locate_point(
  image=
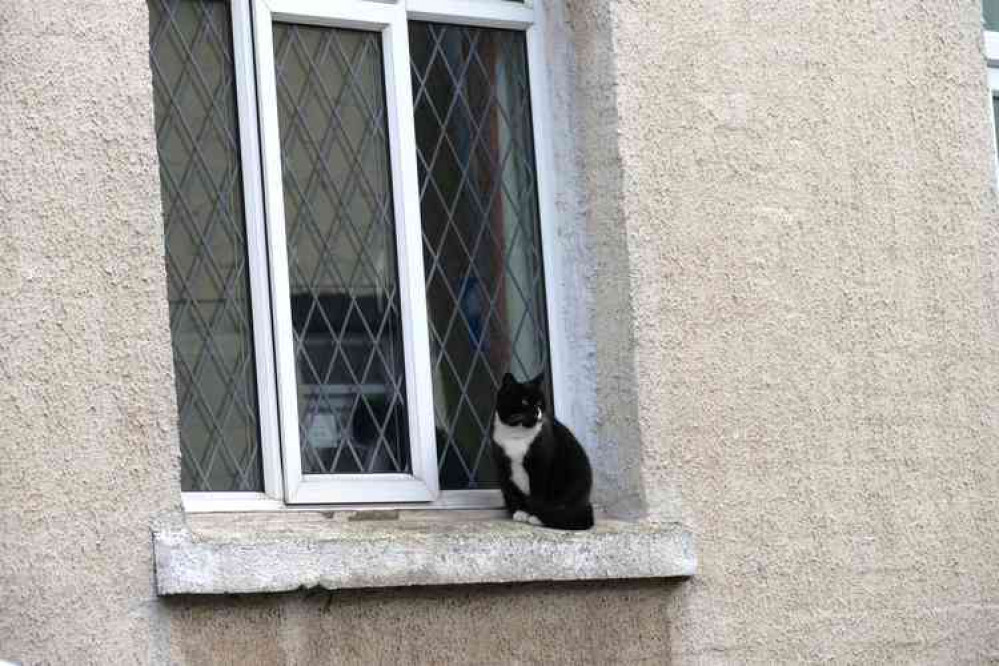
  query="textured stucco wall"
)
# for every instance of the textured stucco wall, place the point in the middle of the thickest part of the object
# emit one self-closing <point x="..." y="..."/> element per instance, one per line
<point x="807" y="196"/>
<point x="88" y="448"/>
<point x="789" y="264"/>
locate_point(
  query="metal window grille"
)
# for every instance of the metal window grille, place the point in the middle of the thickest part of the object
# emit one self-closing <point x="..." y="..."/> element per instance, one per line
<point x="206" y="259"/>
<point x="340" y="236"/>
<point x="482" y="250"/>
<point x="340" y="330"/>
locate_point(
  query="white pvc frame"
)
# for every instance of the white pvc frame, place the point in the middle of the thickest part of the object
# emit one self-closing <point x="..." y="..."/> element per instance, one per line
<point x="286" y="487"/>
<point x="256" y="242"/>
<point x="390" y="22"/>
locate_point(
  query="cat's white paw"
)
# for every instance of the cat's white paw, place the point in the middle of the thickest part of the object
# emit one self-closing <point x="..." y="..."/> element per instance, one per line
<point x="521" y="516"/>
<point x="534" y="520"/>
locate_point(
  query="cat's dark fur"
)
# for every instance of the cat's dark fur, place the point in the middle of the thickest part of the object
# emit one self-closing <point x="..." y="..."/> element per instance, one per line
<point x="535" y="451"/>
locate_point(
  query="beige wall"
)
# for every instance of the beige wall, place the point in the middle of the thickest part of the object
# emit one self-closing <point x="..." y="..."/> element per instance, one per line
<point x="88" y="448"/>
<point x="791" y="254"/>
<point x="811" y="227"/>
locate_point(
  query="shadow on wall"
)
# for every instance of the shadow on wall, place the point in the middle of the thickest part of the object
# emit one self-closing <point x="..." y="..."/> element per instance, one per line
<point x="578" y="623"/>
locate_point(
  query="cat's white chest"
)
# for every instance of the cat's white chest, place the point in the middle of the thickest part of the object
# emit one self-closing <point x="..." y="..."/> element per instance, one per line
<point x="515" y="442"/>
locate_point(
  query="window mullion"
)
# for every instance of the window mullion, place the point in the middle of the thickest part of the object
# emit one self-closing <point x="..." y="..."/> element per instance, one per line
<point x="390" y="23"/>
<point x="409" y="243"/>
<point x="283" y="336"/>
<point x="256" y="238"/>
<point x="537" y="72"/>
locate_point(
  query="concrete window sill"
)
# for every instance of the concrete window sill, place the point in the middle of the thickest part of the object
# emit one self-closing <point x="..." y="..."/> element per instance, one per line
<point x="253" y="553"/>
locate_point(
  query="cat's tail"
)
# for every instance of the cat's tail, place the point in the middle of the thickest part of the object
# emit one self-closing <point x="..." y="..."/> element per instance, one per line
<point x="567" y="518"/>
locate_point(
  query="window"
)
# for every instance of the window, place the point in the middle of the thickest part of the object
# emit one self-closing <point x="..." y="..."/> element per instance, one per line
<point x="354" y="212"/>
<point x="990" y="10"/>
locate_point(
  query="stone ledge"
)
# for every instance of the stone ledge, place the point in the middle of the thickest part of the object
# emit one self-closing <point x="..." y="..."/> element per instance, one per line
<point x="254" y="553"/>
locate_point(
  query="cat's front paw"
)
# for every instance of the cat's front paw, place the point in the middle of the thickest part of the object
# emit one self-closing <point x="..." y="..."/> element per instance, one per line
<point x="534" y="520"/>
<point x="521" y="516"/>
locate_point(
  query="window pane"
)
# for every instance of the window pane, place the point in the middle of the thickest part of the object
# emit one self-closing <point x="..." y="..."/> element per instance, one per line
<point x="208" y="287"/>
<point x="482" y="246"/>
<point x="341" y="250"/>
<point x="990" y="8"/>
<point x="995" y="118"/>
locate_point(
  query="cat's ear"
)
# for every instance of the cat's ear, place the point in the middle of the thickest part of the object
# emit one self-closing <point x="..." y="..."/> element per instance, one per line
<point x="508" y="380"/>
<point x="538" y="381"/>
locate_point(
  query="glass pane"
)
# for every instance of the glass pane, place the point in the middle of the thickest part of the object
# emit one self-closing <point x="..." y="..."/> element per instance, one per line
<point x="990" y="8"/>
<point x="995" y="118"/>
<point x="341" y="250"/>
<point x="208" y="283"/>
<point x="481" y="239"/>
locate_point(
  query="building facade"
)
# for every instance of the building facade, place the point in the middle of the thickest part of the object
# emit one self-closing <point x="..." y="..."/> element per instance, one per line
<point x="777" y="317"/>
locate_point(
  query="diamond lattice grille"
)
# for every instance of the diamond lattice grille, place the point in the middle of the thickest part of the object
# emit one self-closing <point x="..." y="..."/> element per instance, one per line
<point x="481" y="238"/>
<point x="208" y="289"/>
<point x="341" y="250"/>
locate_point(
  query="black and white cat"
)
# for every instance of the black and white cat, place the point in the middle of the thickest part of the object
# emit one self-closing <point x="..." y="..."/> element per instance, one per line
<point x="544" y="473"/>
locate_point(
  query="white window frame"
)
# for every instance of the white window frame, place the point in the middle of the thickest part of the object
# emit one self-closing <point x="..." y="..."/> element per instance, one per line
<point x="285" y="486"/>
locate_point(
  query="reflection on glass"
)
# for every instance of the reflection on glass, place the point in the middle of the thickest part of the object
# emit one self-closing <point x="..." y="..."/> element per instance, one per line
<point x="481" y="238"/>
<point x="341" y="251"/>
<point x="205" y="232"/>
<point x="990" y="10"/>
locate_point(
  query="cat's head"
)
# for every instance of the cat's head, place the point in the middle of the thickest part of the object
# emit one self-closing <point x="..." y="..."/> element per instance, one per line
<point x="521" y="404"/>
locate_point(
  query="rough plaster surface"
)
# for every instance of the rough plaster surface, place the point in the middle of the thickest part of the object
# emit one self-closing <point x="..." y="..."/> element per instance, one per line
<point x="790" y="227"/>
<point x="281" y="553"/>
<point x="806" y="197"/>
<point x="89" y="451"/>
<point x="582" y="58"/>
<point x="577" y="623"/>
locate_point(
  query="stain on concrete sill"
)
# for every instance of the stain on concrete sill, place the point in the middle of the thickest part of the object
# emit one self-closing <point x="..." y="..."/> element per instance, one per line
<point x="262" y="553"/>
